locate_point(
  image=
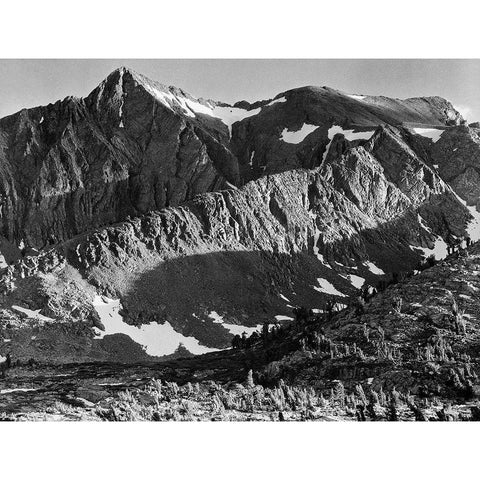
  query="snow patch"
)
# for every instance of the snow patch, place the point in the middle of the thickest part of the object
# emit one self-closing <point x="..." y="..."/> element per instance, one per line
<point x="356" y="281"/>
<point x="226" y="114"/>
<point x="215" y="317"/>
<point x="233" y="329"/>
<point x="316" y="250"/>
<point x="439" y="249"/>
<point x="473" y="228"/>
<point x="239" y="329"/>
<point x="350" y="135"/>
<point x="35" y="314"/>
<point x="250" y="163"/>
<point x="277" y="100"/>
<point x="231" y="115"/>
<point x="433" y="133"/>
<point x="298" y="136"/>
<point x="13" y="390"/>
<point x="327" y="287"/>
<point x="373" y="268"/>
<point x="156" y="339"/>
<point x="357" y="97"/>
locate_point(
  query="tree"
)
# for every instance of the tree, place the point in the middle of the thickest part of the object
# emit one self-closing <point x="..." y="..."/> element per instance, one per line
<point x="265" y="331"/>
<point x="249" y="382"/>
<point x="237" y="342"/>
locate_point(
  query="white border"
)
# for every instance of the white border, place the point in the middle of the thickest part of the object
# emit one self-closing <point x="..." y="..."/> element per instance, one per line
<point x="239" y="451"/>
<point x="241" y="29"/>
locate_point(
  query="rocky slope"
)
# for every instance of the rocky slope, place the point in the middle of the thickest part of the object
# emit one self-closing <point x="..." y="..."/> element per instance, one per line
<point x="326" y="192"/>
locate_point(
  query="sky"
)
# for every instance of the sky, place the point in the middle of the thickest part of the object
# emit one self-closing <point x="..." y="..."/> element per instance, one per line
<point x="30" y="83"/>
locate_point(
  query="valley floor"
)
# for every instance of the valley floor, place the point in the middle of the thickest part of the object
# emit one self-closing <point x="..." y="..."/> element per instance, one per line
<point x="109" y="392"/>
<point x="116" y="393"/>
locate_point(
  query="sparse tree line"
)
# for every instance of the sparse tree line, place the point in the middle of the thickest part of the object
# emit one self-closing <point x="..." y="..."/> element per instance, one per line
<point x="305" y="316"/>
<point x="166" y="401"/>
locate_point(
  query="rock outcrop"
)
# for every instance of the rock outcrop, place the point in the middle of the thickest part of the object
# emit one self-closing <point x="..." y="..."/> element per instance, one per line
<point x="457" y="157"/>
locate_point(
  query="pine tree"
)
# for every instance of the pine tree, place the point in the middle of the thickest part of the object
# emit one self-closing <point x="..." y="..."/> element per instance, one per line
<point x="249" y="382"/>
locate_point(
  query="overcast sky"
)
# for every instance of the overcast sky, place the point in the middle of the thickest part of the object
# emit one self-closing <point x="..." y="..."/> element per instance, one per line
<point x="29" y="83"/>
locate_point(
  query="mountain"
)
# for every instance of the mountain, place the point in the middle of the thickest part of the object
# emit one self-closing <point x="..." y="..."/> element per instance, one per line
<point x="133" y="145"/>
<point x="142" y="223"/>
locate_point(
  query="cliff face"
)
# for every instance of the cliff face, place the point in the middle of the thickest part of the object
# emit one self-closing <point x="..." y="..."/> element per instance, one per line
<point x="134" y="145"/>
<point x="457" y="156"/>
<point x="82" y="163"/>
<point x="129" y="184"/>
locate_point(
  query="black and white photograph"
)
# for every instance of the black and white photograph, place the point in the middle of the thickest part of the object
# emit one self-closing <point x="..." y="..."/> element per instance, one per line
<point x="240" y="240"/>
<point x="308" y="256"/>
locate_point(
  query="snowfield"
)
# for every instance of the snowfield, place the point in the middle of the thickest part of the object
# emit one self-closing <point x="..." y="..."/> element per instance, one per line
<point x="327" y="287"/>
<point x="350" y="135"/>
<point x="298" y="136"/>
<point x="373" y="268"/>
<point x="355" y="280"/>
<point x="433" y="133"/>
<point x="35" y="314"/>
<point x="156" y="339"/>
<point x="316" y="250"/>
<point x="357" y="97"/>
<point x="277" y="100"/>
<point x="228" y="115"/>
<point x="13" y="390"/>
<point x="232" y="328"/>
<point x="439" y="249"/>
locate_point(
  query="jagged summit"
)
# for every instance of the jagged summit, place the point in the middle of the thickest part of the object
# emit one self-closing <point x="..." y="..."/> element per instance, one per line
<point x="433" y="110"/>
